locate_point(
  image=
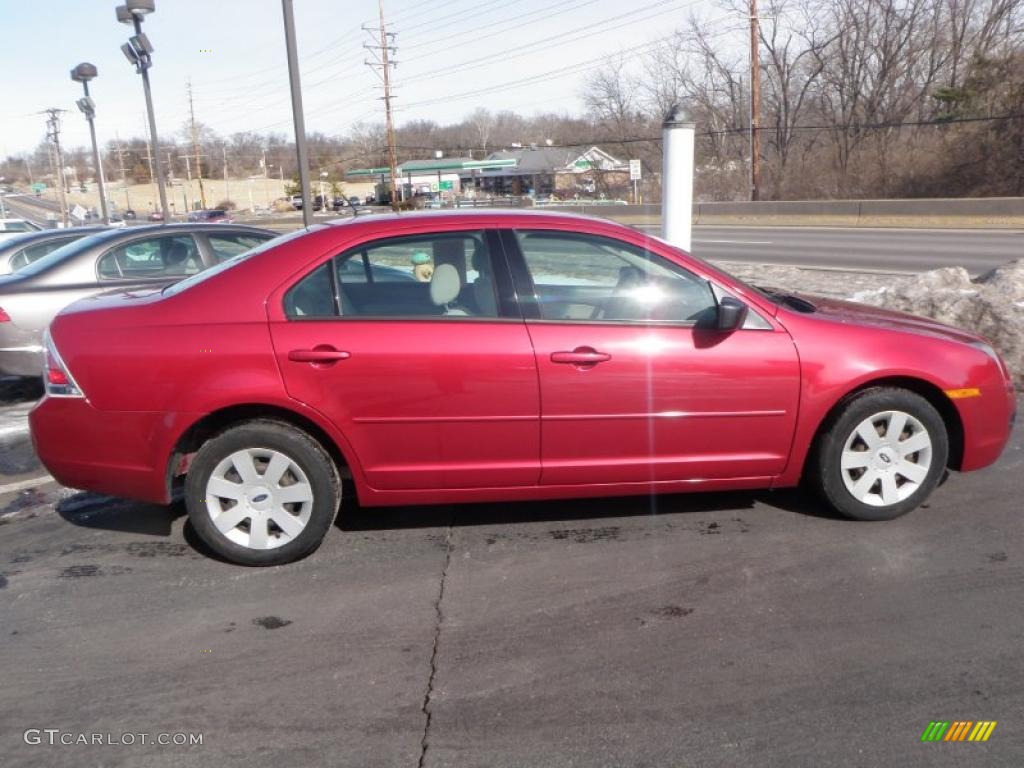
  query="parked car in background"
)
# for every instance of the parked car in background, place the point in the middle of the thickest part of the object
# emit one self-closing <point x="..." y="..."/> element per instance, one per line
<point x="156" y="216"/>
<point x="12" y="227"/>
<point x="21" y="250"/>
<point x="545" y="356"/>
<point x="128" y="259"/>
<point x="297" y="202"/>
<point x="214" y="216"/>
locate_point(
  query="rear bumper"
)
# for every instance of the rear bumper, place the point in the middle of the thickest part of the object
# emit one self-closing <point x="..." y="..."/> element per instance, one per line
<point x="21" y="352"/>
<point x="118" y="453"/>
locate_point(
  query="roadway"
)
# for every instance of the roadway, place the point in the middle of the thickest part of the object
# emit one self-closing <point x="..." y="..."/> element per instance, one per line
<point x="887" y="250"/>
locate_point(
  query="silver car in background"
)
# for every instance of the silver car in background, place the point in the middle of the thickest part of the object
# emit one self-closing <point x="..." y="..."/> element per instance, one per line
<point x="20" y="251"/>
<point x="119" y="259"/>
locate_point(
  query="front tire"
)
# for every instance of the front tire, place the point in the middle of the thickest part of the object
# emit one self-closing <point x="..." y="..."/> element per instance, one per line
<point x="882" y="455"/>
<point x="262" y="493"/>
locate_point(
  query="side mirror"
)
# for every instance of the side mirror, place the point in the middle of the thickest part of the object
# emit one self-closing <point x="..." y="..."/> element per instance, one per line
<point x="731" y="313"/>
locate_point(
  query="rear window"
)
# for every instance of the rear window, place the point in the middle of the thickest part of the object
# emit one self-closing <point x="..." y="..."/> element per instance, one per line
<point x="64" y="253"/>
<point x="34" y="253"/>
<point x="18" y="226"/>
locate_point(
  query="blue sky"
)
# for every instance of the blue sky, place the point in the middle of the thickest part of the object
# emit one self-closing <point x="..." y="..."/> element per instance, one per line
<point x="233" y="51"/>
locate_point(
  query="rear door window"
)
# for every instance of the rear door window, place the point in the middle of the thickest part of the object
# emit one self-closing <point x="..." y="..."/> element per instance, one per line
<point x="166" y="256"/>
<point x="437" y="275"/>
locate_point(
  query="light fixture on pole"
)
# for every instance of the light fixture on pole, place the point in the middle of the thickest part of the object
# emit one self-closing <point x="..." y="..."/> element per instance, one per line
<point x="83" y="73"/>
<point x="138" y="50"/>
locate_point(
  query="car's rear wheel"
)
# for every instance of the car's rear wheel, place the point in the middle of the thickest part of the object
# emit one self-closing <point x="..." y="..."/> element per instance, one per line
<point x="262" y="493"/>
<point x="882" y="455"/>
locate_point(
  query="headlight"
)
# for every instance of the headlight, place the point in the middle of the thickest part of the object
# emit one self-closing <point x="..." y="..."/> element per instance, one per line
<point x="993" y="355"/>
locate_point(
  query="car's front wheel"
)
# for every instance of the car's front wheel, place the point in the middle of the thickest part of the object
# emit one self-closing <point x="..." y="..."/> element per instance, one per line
<point x="882" y="455"/>
<point x="262" y="493"/>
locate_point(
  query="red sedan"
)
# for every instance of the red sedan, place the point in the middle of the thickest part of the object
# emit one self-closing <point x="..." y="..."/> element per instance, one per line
<point x="458" y="357"/>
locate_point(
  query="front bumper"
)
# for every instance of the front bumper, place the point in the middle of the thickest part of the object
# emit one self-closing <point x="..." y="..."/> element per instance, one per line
<point x="987" y="421"/>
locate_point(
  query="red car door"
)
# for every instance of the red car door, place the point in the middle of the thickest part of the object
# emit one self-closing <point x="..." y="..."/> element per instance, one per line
<point x="635" y="384"/>
<point x="414" y="348"/>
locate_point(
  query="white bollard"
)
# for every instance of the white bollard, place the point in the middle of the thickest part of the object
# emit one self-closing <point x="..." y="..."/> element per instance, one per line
<point x="677" y="178"/>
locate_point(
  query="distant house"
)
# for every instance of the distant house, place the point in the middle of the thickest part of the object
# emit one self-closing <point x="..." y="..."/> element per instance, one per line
<point x="541" y="171"/>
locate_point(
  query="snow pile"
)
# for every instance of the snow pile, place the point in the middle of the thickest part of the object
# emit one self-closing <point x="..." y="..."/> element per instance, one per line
<point x="992" y="305"/>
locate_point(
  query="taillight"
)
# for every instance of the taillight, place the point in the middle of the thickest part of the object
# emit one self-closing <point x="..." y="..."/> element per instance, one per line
<point x="56" y="377"/>
<point x="4" y="317"/>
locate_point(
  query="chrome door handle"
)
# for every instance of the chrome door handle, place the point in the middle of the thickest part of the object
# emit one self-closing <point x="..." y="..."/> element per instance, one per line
<point x="318" y="355"/>
<point x="581" y="356"/>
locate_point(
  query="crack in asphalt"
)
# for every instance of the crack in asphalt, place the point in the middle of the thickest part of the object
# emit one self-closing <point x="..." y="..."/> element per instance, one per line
<point x="438" y="619"/>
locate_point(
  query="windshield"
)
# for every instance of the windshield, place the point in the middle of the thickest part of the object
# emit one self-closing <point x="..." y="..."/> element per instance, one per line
<point x="62" y="254"/>
<point x="224" y="266"/>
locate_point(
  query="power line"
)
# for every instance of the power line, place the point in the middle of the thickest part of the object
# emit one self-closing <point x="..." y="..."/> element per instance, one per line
<point x="537" y="45"/>
<point x="519" y="19"/>
<point x="433" y="24"/>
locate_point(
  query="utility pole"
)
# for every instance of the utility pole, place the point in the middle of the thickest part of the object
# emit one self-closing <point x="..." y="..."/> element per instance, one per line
<point x="755" y="104"/>
<point x="224" y="151"/>
<point x="298" y="117"/>
<point x="170" y="177"/>
<point x="53" y="134"/>
<point x="152" y="176"/>
<point x="124" y="176"/>
<point x="188" y="174"/>
<point x="195" y="148"/>
<point x="382" y="63"/>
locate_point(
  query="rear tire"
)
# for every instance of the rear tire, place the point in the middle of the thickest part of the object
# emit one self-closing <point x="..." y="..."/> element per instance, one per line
<point x="262" y="493"/>
<point x="881" y="455"/>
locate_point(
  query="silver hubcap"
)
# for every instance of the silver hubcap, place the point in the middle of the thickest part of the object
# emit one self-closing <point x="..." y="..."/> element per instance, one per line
<point x="886" y="458"/>
<point x="259" y="498"/>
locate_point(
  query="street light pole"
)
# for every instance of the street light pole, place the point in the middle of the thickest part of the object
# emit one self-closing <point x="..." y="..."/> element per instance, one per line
<point x="300" y="123"/>
<point x="83" y="73"/>
<point x="677" y="177"/>
<point x="138" y="50"/>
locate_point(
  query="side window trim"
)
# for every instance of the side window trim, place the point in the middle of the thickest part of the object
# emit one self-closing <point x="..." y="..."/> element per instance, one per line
<point x="523" y="288"/>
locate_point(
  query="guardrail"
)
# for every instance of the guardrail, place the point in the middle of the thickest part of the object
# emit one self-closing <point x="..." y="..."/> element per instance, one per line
<point x="932" y="213"/>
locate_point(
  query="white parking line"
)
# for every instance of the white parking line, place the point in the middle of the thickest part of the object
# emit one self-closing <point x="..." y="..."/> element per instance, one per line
<point x="14" y="430"/>
<point x="22" y="485"/>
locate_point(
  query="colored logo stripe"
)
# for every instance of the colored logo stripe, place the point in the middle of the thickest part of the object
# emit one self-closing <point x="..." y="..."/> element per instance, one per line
<point x="958" y="730"/>
<point x="982" y="730"/>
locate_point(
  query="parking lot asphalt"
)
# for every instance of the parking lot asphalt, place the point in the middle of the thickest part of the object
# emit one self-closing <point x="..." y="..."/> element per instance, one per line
<point x="705" y="630"/>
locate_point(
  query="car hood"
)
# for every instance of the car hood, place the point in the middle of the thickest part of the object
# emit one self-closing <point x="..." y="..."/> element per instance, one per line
<point x="852" y="313"/>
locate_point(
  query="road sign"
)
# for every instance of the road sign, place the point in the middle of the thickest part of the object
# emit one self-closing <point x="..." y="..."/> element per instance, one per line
<point x="446" y="186"/>
<point x="634" y="170"/>
<point x="79" y="213"/>
<point x="38" y="187"/>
